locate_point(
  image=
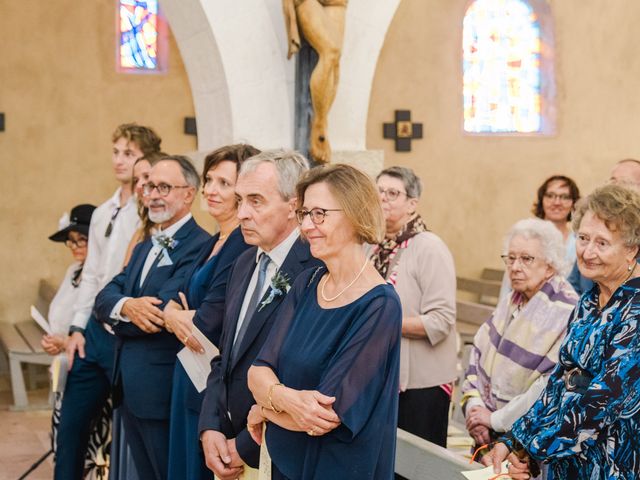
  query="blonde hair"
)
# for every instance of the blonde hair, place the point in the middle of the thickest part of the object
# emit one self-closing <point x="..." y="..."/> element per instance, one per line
<point x="356" y="194"/>
<point x="618" y="207"/>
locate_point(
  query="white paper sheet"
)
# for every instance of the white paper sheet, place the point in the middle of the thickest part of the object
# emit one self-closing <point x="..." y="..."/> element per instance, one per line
<point x="198" y="365"/>
<point x="485" y="473"/>
<point x="40" y="320"/>
<point x="59" y="369"/>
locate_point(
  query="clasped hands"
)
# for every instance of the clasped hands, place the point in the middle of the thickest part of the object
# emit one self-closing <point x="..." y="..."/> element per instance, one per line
<point x="307" y="411"/>
<point x="478" y="422"/>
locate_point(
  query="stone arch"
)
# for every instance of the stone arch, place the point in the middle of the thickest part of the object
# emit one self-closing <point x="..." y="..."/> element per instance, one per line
<point x="242" y="84"/>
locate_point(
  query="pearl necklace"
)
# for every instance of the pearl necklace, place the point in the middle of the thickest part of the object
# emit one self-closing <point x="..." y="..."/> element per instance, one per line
<point x="345" y="288"/>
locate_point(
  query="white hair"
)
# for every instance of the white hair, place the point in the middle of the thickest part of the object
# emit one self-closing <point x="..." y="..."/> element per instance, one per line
<point x="550" y="238"/>
<point x="290" y="166"/>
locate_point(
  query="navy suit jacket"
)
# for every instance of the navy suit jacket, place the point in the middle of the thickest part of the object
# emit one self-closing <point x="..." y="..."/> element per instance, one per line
<point x="210" y="313"/>
<point x="227" y="398"/>
<point x="144" y="362"/>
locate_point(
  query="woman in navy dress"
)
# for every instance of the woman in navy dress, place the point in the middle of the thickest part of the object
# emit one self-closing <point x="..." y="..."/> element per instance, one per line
<point x="326" y="380"/>
<point x="202" y="306"/>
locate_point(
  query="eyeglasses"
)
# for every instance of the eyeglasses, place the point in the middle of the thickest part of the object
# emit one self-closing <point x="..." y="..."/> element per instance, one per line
<point x="564" y="197"/>
<point x="315" y="214"/>
<point x="525" y="260"/>
<point x="163" y="188"/>
<point x="80" y="243"/>
<point x="390" y="193"/>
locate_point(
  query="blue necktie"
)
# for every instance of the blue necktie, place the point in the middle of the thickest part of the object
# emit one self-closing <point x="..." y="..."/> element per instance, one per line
<point x="263" y="263"/>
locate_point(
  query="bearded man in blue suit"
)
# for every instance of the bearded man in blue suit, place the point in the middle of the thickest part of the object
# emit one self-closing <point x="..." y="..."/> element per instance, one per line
<point x="132" y="304"/>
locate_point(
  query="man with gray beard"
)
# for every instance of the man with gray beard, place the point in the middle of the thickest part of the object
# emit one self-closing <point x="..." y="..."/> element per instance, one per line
<point x="132" y="304"/>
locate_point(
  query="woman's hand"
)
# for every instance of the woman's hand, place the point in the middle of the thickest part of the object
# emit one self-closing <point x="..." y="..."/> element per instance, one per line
<point x="478" y="424"/>
<point x="179" y="321"/>
<point x="518" y="469"/>
<point x="53" y="344"/>
<point x="255" y="423"/>
<point x="478" y="416"/>
<point x="309" y="409"/>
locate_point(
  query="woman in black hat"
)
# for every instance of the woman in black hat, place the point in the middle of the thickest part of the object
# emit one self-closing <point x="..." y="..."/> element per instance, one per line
<point x="74" y="233"/>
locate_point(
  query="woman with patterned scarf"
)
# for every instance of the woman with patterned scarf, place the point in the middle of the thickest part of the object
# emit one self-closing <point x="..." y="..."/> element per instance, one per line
<point x="419" y="265"/>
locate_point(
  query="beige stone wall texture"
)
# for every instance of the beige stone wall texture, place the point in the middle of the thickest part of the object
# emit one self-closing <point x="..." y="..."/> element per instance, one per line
<point x="62" y="99"/>
<point x="476" y="187"/>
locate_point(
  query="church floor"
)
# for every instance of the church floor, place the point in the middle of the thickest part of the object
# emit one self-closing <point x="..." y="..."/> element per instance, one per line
<point x="24" y="436"/>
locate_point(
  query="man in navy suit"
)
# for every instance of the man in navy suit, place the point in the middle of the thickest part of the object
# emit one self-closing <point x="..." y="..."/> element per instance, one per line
<point x="258" y="282"/>
<point x="132" y="304"/>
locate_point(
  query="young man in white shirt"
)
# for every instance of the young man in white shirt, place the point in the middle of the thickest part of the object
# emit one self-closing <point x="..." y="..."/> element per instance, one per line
<point x="90" y="349"/>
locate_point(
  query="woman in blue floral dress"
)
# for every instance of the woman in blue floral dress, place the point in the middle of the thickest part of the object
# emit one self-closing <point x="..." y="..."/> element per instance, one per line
<point x="586" y="423"/>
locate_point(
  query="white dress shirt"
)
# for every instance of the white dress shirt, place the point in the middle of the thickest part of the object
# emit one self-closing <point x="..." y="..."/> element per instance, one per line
<point x="105" y="255"/>
<point x="148" y="263"/>
<point x="61" y="307"/>
<point x="277" y="256"/>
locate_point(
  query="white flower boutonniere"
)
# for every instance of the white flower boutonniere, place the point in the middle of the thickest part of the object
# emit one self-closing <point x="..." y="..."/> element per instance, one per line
<point x="279" y="286"/>
<point x="166" y="242"/>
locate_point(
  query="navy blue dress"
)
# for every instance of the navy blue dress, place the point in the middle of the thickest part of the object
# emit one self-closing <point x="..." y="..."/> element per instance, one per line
<point x="352" y="353"/>
<point x="205" y="291"/>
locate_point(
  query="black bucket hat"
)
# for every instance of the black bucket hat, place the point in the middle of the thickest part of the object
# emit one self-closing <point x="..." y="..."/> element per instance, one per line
<point x="79" y="221"/>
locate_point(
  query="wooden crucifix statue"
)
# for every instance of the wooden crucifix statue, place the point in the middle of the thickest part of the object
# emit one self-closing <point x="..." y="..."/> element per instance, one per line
<point x="322" y="25"/>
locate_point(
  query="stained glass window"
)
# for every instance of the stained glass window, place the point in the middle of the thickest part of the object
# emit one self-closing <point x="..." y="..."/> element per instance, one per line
<point x="138" y="35"/>
<point x="501" y="67"/>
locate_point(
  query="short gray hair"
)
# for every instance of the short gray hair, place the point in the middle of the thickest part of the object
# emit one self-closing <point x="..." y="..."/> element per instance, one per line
<point x="412" y="183"/>
<point x="186" y="167"/>
<point x="550" y="238"/>
<point x="290" y="165"/>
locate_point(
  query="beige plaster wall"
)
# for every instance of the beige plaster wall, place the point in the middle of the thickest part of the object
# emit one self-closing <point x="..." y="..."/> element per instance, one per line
<point x="62" y="99"/>
<point x="476" y="187"/>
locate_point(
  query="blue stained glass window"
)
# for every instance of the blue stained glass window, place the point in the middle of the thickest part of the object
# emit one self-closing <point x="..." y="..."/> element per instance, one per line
<point x="501" y="67"/>
<point x="138" y="34"/>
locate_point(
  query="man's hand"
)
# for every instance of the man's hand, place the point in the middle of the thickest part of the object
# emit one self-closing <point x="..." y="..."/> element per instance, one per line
<point x="221" y="455"/>
<point x="144" y="313"/>
<point x="75" y="344"/>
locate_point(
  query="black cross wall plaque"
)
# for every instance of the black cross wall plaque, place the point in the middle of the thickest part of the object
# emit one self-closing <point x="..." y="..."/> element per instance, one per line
<point x="402" y="130"/>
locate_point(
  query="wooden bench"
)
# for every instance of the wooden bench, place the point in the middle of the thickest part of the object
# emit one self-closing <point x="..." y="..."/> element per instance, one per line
<point x="417" y="459"/>
<point x="21" y="342"/>
<point x="494" y="274"/>
<point x="487" y="291"/>
<point x="469" y="317"/>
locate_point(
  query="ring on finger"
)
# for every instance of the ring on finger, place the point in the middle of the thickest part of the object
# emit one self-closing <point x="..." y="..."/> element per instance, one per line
<point x="186" y="337"/>
<point x="311" y="432"/>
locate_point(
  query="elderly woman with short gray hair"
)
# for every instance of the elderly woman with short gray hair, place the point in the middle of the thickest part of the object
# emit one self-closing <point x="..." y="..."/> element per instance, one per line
<point x="516" y="349"/>
<point x="420" y="267"/>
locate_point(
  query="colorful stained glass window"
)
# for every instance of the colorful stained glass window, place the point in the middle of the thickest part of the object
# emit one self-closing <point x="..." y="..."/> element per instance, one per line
<point x="138" y="34"/>
<point x="501" y="67"/>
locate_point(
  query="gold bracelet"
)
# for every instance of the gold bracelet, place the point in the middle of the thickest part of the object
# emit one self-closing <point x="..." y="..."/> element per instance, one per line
<point x="271" y="400"/>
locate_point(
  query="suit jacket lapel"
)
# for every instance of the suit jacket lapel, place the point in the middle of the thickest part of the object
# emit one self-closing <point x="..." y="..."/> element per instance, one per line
<point x="293" y="264"/>
<point x="137" y="263"/>
<point x="244" y="272"/>
<point x="182" y="235"/>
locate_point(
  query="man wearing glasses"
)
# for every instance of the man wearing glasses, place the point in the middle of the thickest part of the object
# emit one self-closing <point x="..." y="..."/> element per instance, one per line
<point x="90" y="347"/>
<point x="132" y="304"/>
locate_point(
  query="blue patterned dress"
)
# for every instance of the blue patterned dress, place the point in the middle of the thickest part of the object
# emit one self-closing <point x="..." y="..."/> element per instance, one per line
<point x="594" y="434"/>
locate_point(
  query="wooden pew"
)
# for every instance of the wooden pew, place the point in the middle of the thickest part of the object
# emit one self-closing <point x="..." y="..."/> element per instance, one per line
<point x="417" y="459"/>
<point x="469" y="317"/>
<point x="21" y="342"/>
<point x="493" y="274"/>
<point x="487" y="291"/>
